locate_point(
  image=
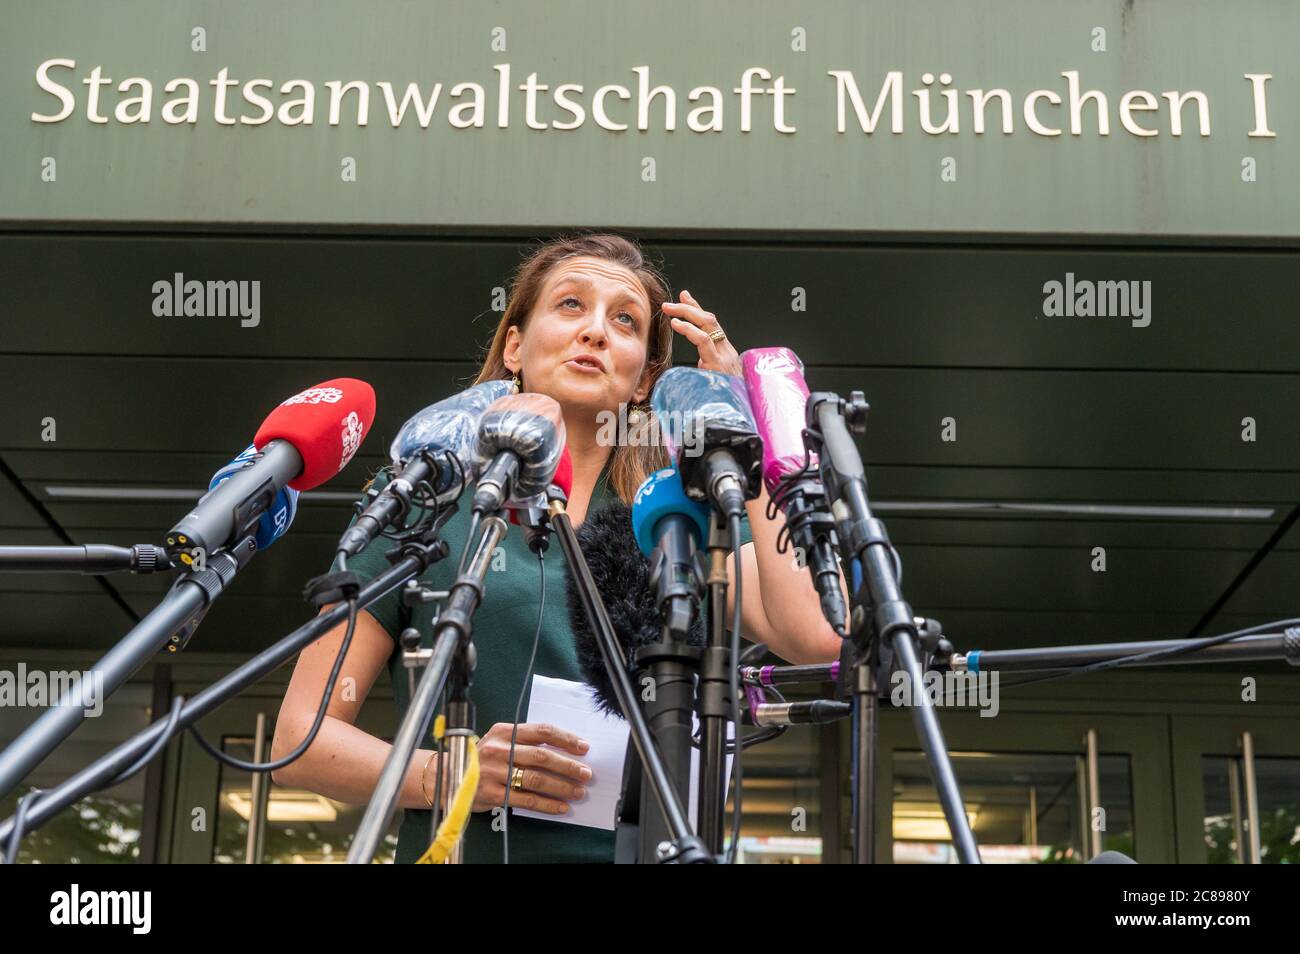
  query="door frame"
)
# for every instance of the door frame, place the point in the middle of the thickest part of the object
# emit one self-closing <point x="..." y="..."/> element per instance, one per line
<point x="1194" y="738"/>
<point x="1143" y="738"/>
<point x="196" y="775"/>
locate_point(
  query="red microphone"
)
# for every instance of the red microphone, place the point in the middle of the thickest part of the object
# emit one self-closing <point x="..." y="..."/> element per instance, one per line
<point x="325" y="424"/>
<point x="301" y="444"/>
<point x="562" y="481"/>
<point x="564" y="472"/>
<point x="533" y="515"/>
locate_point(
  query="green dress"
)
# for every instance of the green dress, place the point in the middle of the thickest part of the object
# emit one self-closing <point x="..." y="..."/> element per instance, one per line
<point x="504" y="626"/>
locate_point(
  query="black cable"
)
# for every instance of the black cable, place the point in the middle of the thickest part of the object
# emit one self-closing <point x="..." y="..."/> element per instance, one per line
<point x="315" y="728"/>
<point x="765" y="734"/>
<point x="738" y="771"/>
<point x="519" y="708"/>
<point x="173" y="719"/>
<point x="26" y="802"/>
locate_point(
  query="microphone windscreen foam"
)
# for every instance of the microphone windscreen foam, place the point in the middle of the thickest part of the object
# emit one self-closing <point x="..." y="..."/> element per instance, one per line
<point x="539" y="502"/>
<point x="450" y="425"/>
<point x="622" y="577"/>
<point x="531" y="426"/>
<point x="325" y="424"/>
<point x="688" y="401"/>
<point x="778" y="395"/>
<point x="564" y="472"/>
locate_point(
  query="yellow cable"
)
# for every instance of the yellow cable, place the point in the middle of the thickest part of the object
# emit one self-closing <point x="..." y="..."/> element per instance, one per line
<point x="453" y="826"/>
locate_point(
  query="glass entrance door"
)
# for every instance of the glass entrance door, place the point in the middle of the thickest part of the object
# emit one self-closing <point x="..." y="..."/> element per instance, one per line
<point x="1039" y="788"/>
<point x="226" y="816"/>
<point x="1239" y="790"/>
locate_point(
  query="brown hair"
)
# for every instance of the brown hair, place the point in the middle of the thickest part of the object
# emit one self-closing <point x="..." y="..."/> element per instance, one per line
<point x="630" y="464"/>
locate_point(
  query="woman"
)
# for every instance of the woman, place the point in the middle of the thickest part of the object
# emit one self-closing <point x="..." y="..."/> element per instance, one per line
<point x="590" y="324"/>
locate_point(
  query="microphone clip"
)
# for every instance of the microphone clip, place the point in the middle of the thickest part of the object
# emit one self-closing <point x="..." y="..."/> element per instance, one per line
<point x="536" y="524"/>
<point x="212" y="574"/>
<point x="680" y="589"/>
<point x="332" y="588"/>
<point x="854" y="410"/>
<point x="536" y="521"/>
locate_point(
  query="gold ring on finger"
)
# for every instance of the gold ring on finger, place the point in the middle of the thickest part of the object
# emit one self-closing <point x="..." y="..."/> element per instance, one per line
<point x="517" y="779"/>
<point x="716" y="336"/>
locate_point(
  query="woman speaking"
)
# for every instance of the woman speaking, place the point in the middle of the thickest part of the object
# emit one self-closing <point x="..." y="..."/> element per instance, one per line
<point x="589" y="323"/>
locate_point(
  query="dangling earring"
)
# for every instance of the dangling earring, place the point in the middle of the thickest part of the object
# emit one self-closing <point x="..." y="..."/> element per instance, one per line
<point x="636" y="413"/>
<point x="515" y="383"/>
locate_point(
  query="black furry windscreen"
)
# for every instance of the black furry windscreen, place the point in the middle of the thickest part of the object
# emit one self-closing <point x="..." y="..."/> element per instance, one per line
<point x="622" y="576"/>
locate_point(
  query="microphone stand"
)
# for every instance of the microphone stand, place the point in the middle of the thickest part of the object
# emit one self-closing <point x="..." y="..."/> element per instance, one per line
<point x="169" y="624"/>
<point x="413" y="558"/>
<point x="92" y="559"/>
<point x="672" y="665"/>
<point x="932" y="639"/>
<point x="669" y="840"/>
<point x="880" y="621"/>
<point x="1258" y="647"/>
<point x="1283" y="646"/>
<point x="450" y="666"/>
<point x="715" y="694"/>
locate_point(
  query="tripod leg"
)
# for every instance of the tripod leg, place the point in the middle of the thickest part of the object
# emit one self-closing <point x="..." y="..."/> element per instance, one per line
<point x="866" y="732"/>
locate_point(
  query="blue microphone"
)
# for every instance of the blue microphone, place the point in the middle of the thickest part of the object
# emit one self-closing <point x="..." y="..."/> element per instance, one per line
<point x="662" y="496"/>
<point x="669" y="528"/>
<point x="275" y="521"/>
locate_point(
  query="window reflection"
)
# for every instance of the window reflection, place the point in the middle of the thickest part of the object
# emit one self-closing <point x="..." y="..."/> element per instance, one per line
<point x="302" y="827"/>
<point x="1226" y="818"/>
<point x="781" y="812"/>
<point x="104" y="827"/>
<point x="1022" y="808"/>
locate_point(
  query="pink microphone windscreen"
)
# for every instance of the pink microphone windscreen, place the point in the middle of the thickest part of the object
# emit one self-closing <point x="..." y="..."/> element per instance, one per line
<point x="779" y="395"/>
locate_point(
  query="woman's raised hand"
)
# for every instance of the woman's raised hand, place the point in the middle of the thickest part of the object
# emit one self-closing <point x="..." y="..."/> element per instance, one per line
<point x="701" y="328"/>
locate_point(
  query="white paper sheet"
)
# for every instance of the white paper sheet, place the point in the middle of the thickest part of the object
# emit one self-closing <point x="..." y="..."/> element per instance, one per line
<point x="571" y="706"/>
